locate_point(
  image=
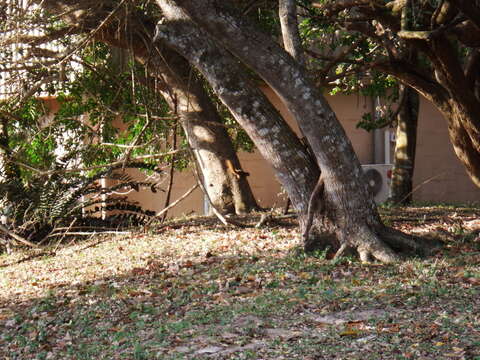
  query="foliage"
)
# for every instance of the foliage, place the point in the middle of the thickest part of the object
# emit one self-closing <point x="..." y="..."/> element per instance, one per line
<point x="46" y="144"/>
<point x="37" y="207"/>
<point x="111" y="101"/>
<point x="339" y="59"/>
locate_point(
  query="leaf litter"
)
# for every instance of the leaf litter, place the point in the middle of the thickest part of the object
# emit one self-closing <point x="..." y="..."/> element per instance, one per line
<point x="195" y="289"/>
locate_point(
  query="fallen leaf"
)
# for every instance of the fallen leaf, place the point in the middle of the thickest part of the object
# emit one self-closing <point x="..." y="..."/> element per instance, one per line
<point x="473" y="281"/>
<point x="241" y="290"/>
<point x="284" y="334"/>
<point x="209" y="350"/>
<point x="343" y="317"/>
<point x="304" y="275"/>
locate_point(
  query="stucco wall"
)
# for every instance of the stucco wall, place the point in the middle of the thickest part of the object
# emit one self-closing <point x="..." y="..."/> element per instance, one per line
<point x="439" y="175"/>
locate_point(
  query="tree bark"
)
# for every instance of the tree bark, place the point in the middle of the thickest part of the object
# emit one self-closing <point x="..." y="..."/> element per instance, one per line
<point x="292" y="43"/>
<point x="351" y="215"/>
<point x="287" y="12"/>
<point x="405" y="146"/>
<point x="184" y="93"/>
<point x="274" y="139"/>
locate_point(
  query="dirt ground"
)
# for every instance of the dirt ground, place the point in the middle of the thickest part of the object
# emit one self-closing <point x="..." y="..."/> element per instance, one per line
<point x="194" y="289"/>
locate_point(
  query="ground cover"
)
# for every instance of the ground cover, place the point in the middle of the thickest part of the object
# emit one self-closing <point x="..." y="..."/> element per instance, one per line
<point x="194" y="289"/>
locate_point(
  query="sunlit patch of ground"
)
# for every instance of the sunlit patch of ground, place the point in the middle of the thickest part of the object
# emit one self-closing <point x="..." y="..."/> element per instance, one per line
<point x="200" y="290"/>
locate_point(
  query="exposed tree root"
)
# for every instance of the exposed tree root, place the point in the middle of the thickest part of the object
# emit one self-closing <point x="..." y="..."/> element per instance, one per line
<point x="408" y="244"/>
<point x="315" y="205"/>
<point x="369" y="246"/>
<point x="371" y="241"/>
<point x="362" y="239"/>
<point x="385" y="244"/>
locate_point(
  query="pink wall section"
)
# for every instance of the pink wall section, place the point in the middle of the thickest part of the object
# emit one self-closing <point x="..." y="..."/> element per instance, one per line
<point x="439" y="176"/>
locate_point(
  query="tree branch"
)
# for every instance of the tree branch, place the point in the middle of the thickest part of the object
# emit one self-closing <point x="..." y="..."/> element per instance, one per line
<point x="469" y="9"/>
<point x="471" y="68"/>
<point x="412" y="76"/>
<point x="114" y="163"/>
<point x="334" y="8"/>
<point x="287" y="12"/>
<point x="35" y="40"/>
<point x="16" y="237"/>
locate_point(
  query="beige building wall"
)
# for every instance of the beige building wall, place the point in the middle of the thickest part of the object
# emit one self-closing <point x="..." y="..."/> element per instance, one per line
<point x="439" y="176"/>
<point x="193" y="204"/>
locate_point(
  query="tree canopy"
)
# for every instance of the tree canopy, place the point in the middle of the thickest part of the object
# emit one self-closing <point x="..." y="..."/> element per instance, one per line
<point x="431" y="46"/>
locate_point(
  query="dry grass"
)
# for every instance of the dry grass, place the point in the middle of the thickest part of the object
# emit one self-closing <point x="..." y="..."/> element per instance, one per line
<point x="197" y="289"/>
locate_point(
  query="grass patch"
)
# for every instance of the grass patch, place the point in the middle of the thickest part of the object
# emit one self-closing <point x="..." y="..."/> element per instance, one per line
<point x="197" y="291"/>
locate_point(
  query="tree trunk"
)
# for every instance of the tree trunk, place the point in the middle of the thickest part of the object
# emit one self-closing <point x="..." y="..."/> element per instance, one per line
<point x="463" y="146"/>
<point x="351" y="218"/>
<point x="292" y="43"/>
<point x="461" y="107"/>
<point x="274" y="139"/>
<point x="184" y="93"/>
<point x="404" y="157"/>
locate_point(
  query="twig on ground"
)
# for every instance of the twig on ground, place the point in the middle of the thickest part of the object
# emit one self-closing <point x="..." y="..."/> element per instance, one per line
<point x="17" y="238"/>
<point x="264" y="219"/>
<point x="88" y="233"/>
<point x="267" y="218"/>
<point x="161" y="212"/>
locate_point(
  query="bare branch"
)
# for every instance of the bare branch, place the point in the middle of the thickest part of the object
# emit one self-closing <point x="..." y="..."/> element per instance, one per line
<point x="114" y="163"/>
<point x="414" y="77"/>
<point x="188" y="192"/>
<point x="340" y="5"/>
<point x="417" y="35"/>
<point x="35" y="40"/>
<point x="16" y="237"/>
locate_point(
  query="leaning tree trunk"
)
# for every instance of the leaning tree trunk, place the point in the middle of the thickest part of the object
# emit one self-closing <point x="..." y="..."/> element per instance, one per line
<point x="459" y="105"/>
<point x="274" y="139"/>
<point x="463" y="146"/>
<point x="228" y="190"/>
<point x="292" y="42"/>
<point x="351" y="214"/>
<point x="405" y="146"/>
<point x="185" y="94"/>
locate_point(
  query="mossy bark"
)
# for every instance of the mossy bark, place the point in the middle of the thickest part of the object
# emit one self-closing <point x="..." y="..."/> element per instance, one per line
<point x="406" y="143"/>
